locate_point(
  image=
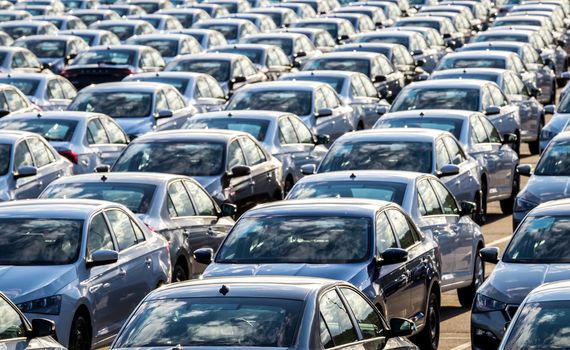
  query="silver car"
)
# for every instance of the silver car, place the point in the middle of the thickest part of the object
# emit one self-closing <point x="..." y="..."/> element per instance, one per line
<point x="432" y="207"/>
<point x="94" y="37"/>
<point x="233" y="29"/>
<point x="549" y="180"/>
<point x="19" y="60"/>
<point x="355" y="89"/>
<point x="170" y="46"/>
<point x="560" y="118"/>
<point x="317" y="104"/>
<point x="174" y="206"/>
<point x="283" y="135"/>
<point x="27" y="165"/>
<point x="83" y="264"/>
<point x="86" y="139"/>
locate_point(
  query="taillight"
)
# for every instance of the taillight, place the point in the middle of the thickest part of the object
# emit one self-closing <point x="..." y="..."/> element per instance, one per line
<point x="122" y="72"/>
<point x="150" y="228"/>
<point x="70" y="155"/>
<point x="67" y="73"/>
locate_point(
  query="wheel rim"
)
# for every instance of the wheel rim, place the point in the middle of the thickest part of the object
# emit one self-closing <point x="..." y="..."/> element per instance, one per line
<point x="179" y="274"/>
<point x="80" y="339"/>
<point x="433" y="323"/>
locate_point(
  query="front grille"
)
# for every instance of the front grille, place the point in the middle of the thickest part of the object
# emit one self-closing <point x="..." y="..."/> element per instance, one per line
<point x="511" y="310"/>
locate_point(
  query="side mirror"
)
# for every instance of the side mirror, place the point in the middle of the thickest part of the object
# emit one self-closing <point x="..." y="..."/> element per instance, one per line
<point x="240" y="170"/>
<point x="490" y="255"/>
<point x="492" y="110"/>
<point x="393" y="256"/>
<point x="42" y="328"/>
<point x="524" y="169"/>
<point x="343" y="37"/>
<point x="204" y="255"/>
<point x="322" y="139"/>
<point x="550" y="109"/>
<point x="417" y="52"/>
<point x="300" y="54"/>
<point x="25" y="171"/>
<point x="382" y="109"/>
<point x="421" y="62"/>
<point x="422" y="77"/>
<point x="509" y="138"/>
<point x="446" y="35"/>
<point x="379" y="78"/>
<point x="400" y="327"/>
<point x="4" y="113"/>
<point x="468" y="208"/>
<point x="46" y="66"/>
<point x="163" y="113"/>
<point x="105" y="168"/>
<point x="239" y="79"/>
<point x="448" y="170"/>
<point x="561" y="43"/>
<point x="308" y="169"/>
<point x="102" y="257"/>
<point x="323" y="112"/>
<point x="228" y="209"/>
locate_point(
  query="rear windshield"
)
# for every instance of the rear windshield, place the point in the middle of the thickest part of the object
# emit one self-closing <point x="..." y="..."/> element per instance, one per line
<point x="51" y="129"/>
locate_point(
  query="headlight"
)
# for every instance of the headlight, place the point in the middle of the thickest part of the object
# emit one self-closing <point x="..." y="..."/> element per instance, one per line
<point x="524" y="205"/>
<point x="484" y="304"/>
<point x="547" y="134"/>
<point x="48" y="306"/>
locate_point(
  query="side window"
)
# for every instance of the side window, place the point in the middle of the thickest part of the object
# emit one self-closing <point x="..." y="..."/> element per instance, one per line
<point x="54" y="90"/>
<point x="157" y="59"/>
<point x="287" y="133"/>
<point x="446" y="199"/>
<point x="99" y="236"/>
<point x="442" y="157"/>
<point x="368" y="320"/>
<point x="402" y="228"/>
<point x="12" y="326"/>
<point x="69" y="91"/>
<point x="337" y="320"/>
<point x="123" y="228"/>
<point x="520" y="87"/>
<point x="272" y="58"/>
<point x="3" y="103"/>
<point x="408" y="59"/>
<point x="492" y="132"/>
<point x="15" y="101"/>
<point x="331" y="98"/>
<point x="369" y="87"/>
<point x="179" y="203"/>
<point x="356" y="87"/>
<point x="18" y="60"/>
<point x="235" y="155"/>
<point x="116" y="135"/>
<point x="478" y="131"/>
<point x="455" y="152"/>
<point x="386" y="66"/>
<point x="31" y="60"/>
<point x="42" y="154"/>
<point x="237" y="71"/>
<point x="428" y="199"/>
<point x="498" y="98"/>
<point x="161" y="103"/>
<point x="215" y="88"/>
<point x="384" y="234"/>
<point x="320" y="101"/>
<point x="202" y="89"/>
<point x="303" y="133"/>
<point x="201" y="199"/>
<point x="486" y="100"/>
<point x="248" y="68"/>
<point x="175" y="101"/>
<point x="22" y="156"/>
<point x="253" y="153"/>
<point x="96" y="133"/>
<point x="146" y="60"/>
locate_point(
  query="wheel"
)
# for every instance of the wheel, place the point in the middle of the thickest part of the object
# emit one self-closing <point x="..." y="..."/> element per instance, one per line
<point x="428" y="338"/>
<point x="553" y="94"/>
<point x="360" y="126"/>
<point x="480" y="215"/>
<point x="534" y="146"/>
<point x="288" y="185"/>
<point x="517" y="145"/>
<point x="508" y="204"/>
<point x="179" y="273"/>
<point x="80" y="335"/>
<point x="466" y="294"/>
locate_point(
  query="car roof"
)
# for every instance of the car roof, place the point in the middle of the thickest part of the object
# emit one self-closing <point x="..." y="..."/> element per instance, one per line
<point x="432" y="113"/>
<point x="24" y="22"/>
<point x="283" y="287"/>
<point x="554" y="291"/>
<point x="122" y="21"/>
<point x="372" y="44"/>
<point x="446" y="83"/>
<point x="277" y="34"/>
<point x="173" y="36"/>
<point x="321" y="73"/>
<point x="365" y="175"/>
<point x="51" y="37"/>
<point x="247" y="114"/>
<point x="32" y="76"/>
<point x="321" y="206"/>
<point x="424" y="17"/>
<point x="247" y="46"/>
<point x="349" y="54"/>
<point x="67" y="115"/>
<point x="485" y="44"/>
<point x="84" y="31"/>
<point x="137" y="86"/>
<point x="383" y="33"/>
<point x="121" y="177"/>
<point x="123" y="47"/>
<point x="481" y="54"/>
<point x="503" y="30"/>
<point x="53" y="208"/>
<point x="219" y="135"/>
<point x="12" y="48"/>
<point x="12" y="136"/>
<point x="238" y="21"/>
<point x="284" y="86"/>
<point x="393" y="134"/>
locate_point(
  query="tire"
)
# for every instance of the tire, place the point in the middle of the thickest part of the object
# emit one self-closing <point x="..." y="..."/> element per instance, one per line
<point x="80" y="334"/>
<point x="480" y="216"/>
<point x="553" y="94"/>
<point x="508" y="204"/>
<point x="534" y="146"/>
<point x="517" y="145"/>
<point x="179" y="273"/>
<point x="288" y="185"/>
<point x="428" y="338"/>
<point x="467" y="294"/>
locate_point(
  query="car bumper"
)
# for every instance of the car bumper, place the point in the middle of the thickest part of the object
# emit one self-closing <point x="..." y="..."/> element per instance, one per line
<point x="487" y="329"/>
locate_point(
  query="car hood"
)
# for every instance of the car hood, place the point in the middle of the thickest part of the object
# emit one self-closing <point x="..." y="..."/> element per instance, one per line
<point x="557" y="122"/>
<point x="25" y="283"/>
<point x="540" y="189"/>
<point x="510" y="282"/>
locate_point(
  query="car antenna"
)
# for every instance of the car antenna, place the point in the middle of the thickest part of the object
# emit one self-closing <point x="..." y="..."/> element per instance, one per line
<point x="422" y="114"/>
<point x="352" y="176"/>
<point x="103" y="178"/>
<point x="39" y="115"/>
<point x="224" y="290"/>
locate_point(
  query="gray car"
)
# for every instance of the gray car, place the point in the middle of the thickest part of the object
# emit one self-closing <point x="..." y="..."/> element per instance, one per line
<point x="316" y="103"/>
<point x="170" y="46"/>
<point x="289" y="308"/>
<point x="86" y="139"/>
<point x="186" y="16"/>
<point x="297" y="46"/>
<point x="83" y="264"/>
<point x="19" y="60"/>
<point x="27" y="165"/>
<point x="233" y="29"/>
<point x="124" y="28"/>
<point x="160" y="21"/>
<point x="20" y="28"/>
<point x="555" y="125"/>
<point x="174" y="206"/>
<point x="283" y="135"/>
<point x="549" y="180"/>
<point x="531" y="112"/>
<point x="432" y="207"/>
<point x="47" y="91"/>
<point x="355" y="89"/>
<point x="480" y="139"/>
<point x="537" y="253"/>
<point x="94" y="37"/>
<point x="138" y="107"/>
<point x="232" y="166"/>
<point x="206" y="37"/>
<point x="92" y="15"/>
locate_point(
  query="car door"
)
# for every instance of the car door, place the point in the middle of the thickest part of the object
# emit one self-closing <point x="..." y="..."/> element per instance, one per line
<point x="45" y="160"/>
<point x="262" y="172"/>
<point x="508" y="117"/>
<point x="26" y="187"/>
<point x="103" y="151"/>
<point x="503" y="155"/>
<point x="485" y="152"/>
<point x="341" y="114"/>
<point x="55" y="95"/>
<point x="118" y="140"/>
<point x="336" y="327"/>
<point x="307" y="151"/>
<point x="465" y="183"/>
<point x="240" y="189"/>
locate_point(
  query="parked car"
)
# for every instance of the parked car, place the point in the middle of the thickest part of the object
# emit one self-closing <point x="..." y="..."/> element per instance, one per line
<point x="297" y="46"/>
<point x="339" y="28"/>
<point x="160" y="21"/>
<point x="94" y="37"/>
<point x="62" y="22"/>
<point x="13" y="101"/>
<point x="90" y="16"/>
<point x="452" y="37"/>
<point x="152" y="6"/>
<point x="344" y="239"/>
<point x="124" y="9"/>
<point x="81" y="273"/>
<point x="432" y="207"/>
<point x="124" y="28"/>
<point x="187" y="16"/>
<point x="264" y="23"/>
<point x="374" y="13"/>
<point x="548" y="181"/>
<point x="13" y="15"/>
<point x="233" y="29"/>
<point x="213" y="10"/>
<point x="537" y="253"/>
<point x="283" y="17"/>
<point x="138" y="107"/>
<point x="556" y="124"/>
<point x="53" y="51"/>
<point x="232" y="166"/>
<point x="281" y="304"/>
<point x="174" y="206"/>
<point x="86" y="139"/>
<point x="19" y="60"/>
<point x="19" y="28"/>
<point x="46" y="91"/>
<point x="320" y="38"/>
<point x="361" y="22"/>
<point x="206" y="37"/>
<point x="169" y="46"/>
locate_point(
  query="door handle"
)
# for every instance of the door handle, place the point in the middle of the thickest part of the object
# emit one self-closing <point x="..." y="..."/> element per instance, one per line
<point x="148" y="262"/>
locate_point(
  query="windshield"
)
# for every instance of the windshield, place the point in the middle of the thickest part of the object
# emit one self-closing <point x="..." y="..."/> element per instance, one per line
<point x="255" y="55"/>
<point x="386" y="51"/>
<point x="108" y="57"/>
<point x="149" y="7"/>
<point x="539" y="240"/>
<point x="257" y="128"/>
<point x="332" y="28"/>
<point x="296" y="102"/>
<point x="385" y="39"/>
<point x="19" y="31"/>
<point x="5" y="156"/>
<point x="122" y="31"/>
<point x="478" y="76"/>
<point x="167" y="48"/>
<point x="27" y="86"/>
<point x="45" y="48"/>
<point x="304" y="239"/>
<point x="334" y="82"/>
<point x="541" y="325"/>
<point x="114" y="104"/>
<point x="453" y="126"/>
<point x="379" y="155"/>
<point x="36" y="241"/>
<point x="516" y="22"/>
<point x="59" y="130"/>
<point x="500" y="37"/>
<point x="421" y="24"/>
<point x="220" y="69"/>
<point x="191" y="158"/>
<point x="385" y="191"/>
<point x="230" y="32"/>
<point x="285" y="44"/>
<point x="136" y="197"/>
<point x="216" y="322"/>
<point x="91" y="18"/>
<point x="474" y="62"/>
<point x="342" y="64"/>
<point x="88" y="38"/>
<point x="155" y="22"/>
<point x="437" y="98"/>
<point x="555" y="161"/>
